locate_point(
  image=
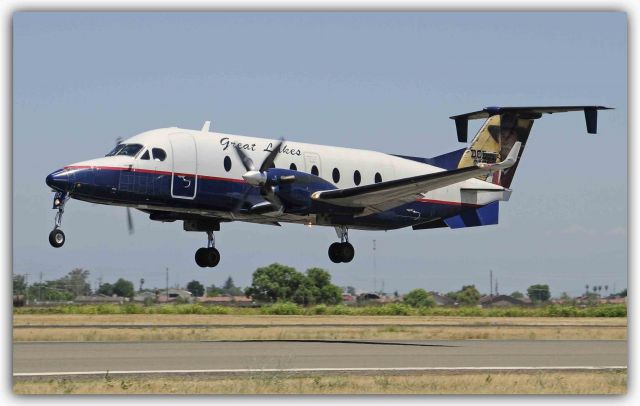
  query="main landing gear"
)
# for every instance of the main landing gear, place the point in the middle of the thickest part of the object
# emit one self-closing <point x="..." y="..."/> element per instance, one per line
<point x="341" y="251"/>
<point x="209" y="256"/>
<point x="56" y="236"/>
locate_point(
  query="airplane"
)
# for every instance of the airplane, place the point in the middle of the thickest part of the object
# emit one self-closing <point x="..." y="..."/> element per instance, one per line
<point x="204" y="178"/>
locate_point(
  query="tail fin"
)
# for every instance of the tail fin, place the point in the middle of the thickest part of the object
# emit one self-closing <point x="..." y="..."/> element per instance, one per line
<point x="503" y="128"/>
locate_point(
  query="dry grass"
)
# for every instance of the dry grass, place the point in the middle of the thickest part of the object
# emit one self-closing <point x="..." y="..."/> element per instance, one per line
<point x="335" y="333"/>
<point x="467" y="383"/>
<point x="456" y="328"/>
<point x="36" y="319"/>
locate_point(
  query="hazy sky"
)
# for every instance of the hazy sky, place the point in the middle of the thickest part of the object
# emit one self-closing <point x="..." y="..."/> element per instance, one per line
<point x="380" y="81"/>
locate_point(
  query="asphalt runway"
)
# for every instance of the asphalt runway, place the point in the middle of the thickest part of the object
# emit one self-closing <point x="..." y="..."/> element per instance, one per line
<point x="297" y="355"/>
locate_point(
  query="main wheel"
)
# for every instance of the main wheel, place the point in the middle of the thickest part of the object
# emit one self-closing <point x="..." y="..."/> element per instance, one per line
<point x="334" y="254"/>
<point x="347" y="252"/>
<point x="213" y="257"/>
<point x="56" y="238"/>
<point x="202" y="257"/>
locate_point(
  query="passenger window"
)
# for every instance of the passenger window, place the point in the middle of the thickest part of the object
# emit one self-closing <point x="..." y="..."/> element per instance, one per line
<point x="293" y="167"/>
<point x="314" y="170"/>
<point x="356" y="178"/>
<point x="159" y="154"/>
<point x="145" y="156"/>
<point x="335" y="175"/>
<point x="378" y="177"/>
<point x="227" y="163"/>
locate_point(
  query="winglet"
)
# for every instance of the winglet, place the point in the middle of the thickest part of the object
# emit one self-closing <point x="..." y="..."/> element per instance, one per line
<point x="508" y="162"/>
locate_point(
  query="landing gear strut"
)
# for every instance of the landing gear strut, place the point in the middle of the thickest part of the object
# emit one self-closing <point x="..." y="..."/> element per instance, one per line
<point x="209" y="256"/>
<point x="341" y="251"/>
<point x="56" y="236"/>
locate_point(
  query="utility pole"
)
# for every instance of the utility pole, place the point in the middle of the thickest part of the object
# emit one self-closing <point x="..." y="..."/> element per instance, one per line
<point x="40" y="289"/>
<point x="26" y="288"/>
<point x="497" y="287"/>
<point x="375" y="281"/>
<point x="490" y="283"/>
<point x="167" y="268"/>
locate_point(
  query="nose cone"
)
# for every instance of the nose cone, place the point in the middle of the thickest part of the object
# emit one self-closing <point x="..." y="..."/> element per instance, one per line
<point x="58" y="180"/>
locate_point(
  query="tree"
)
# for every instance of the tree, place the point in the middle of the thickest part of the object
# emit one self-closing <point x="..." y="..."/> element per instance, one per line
<point x="229" y="288"/>
<point x="106" y="289"/>
<point x="196" y="288"/>
<point x="75" y="282"/>
<point x="419" y="298"/>
<point x="279" y="282"/>
<point x="517" y="295"/>
<point x="274" y="282"/>
<point x="19" y="285"/>
<point x="123" y="288"/>
<point x="213" y="290"/>
<point x="467" y="296"/>
<point x="539" y="293"/>
<point x="351" y="290"/>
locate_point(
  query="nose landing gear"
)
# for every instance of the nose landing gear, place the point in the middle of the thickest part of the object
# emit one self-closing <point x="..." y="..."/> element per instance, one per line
<point x="209" y="256"/>
<point x="341" y="251"/>
<point x="56" y="236"/>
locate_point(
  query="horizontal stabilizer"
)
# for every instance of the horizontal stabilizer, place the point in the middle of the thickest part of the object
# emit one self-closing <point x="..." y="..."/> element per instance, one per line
<point x="531" y="113"/>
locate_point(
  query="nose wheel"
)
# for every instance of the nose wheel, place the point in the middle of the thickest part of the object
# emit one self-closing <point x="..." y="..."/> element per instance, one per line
<point x="209" y="256"/>
<point x="56" y="236"/>
<point x="341" y="251"/>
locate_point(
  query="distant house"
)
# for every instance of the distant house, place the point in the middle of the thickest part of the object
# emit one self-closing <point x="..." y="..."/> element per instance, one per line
<point x="174" y="294"/>
<point x="442" y="300"/>
<point x="348" y="299"/>
<point x="100" y="299"/>
<point x="224" y="300"/>
<point x="501" y="301"/>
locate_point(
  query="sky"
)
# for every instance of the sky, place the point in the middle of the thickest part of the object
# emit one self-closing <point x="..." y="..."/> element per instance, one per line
<point x="381" y="81"/>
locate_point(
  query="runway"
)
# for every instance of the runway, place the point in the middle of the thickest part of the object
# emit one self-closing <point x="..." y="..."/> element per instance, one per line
<point x="228" y="357"/>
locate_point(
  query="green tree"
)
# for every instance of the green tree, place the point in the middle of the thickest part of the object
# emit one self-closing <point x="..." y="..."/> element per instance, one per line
<point x="419" y="298"/>
<point x="75" y="282"/>
<point x="123" y="288"/>
<point x="279" y="282"/>
<point x="213" y="290"/>
<point x="229" y="288"/>
<point x="467" y="296"/>
<point x="351" y="290"/>
<point x="539" y="293"/>
<point x="196" y="288"/>
<point x="275" y="282"/>
<point x="517" y="295"/>
<point x="106" y="289"/>
<point x="19" y="285"/>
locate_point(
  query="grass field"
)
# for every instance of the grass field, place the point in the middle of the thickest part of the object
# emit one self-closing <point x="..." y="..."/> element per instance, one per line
<point x="467" y="383"/>
<point x="311" y="327"/>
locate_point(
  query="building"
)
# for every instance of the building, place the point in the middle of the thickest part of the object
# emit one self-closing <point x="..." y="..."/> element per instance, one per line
<point x="501" y="301"/>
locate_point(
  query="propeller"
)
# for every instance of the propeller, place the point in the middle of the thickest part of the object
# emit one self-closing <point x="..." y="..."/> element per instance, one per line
<point x="258" y="177"/>
<point x="129" y="221"/>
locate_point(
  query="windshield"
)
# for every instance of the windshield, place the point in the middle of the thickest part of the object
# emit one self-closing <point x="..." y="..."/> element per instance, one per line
<point x="125" y="149"/>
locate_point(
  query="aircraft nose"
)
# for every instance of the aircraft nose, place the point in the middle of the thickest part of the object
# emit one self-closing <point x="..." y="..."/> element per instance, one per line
<point x="58" y="180"/>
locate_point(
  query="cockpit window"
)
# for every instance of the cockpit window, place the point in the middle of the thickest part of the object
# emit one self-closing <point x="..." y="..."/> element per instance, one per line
<point x="145" y="156"/>
<point x="125" y="149"/>
<point x="159" y="154"/>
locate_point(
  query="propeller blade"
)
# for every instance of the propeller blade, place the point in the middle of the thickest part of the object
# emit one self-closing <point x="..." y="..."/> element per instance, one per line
<point x="242" y="200"/>
<point x="129" y="221"/>
<point x="246" y="161"/>
<point x="268" y="161"/>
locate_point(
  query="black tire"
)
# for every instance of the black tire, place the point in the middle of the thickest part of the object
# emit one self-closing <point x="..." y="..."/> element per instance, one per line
<point x="213" y="257"/>
<point x="56" y="238"/>
<point x="201" y="257"/>
<point x="334" y="254"/>
<point x="347" y="252"/>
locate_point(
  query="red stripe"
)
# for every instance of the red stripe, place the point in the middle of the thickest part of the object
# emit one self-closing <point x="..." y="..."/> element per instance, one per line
<point x="117" y="168"/>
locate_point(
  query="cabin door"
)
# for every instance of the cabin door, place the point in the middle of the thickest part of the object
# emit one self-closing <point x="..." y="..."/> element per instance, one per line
<point x="184" y="177"/>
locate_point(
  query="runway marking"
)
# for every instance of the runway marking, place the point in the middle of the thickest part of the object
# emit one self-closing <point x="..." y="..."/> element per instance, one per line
<point x="311" y="370"/>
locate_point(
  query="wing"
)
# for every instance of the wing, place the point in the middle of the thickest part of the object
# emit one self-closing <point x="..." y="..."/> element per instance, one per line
<point x="385" y="195"/>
